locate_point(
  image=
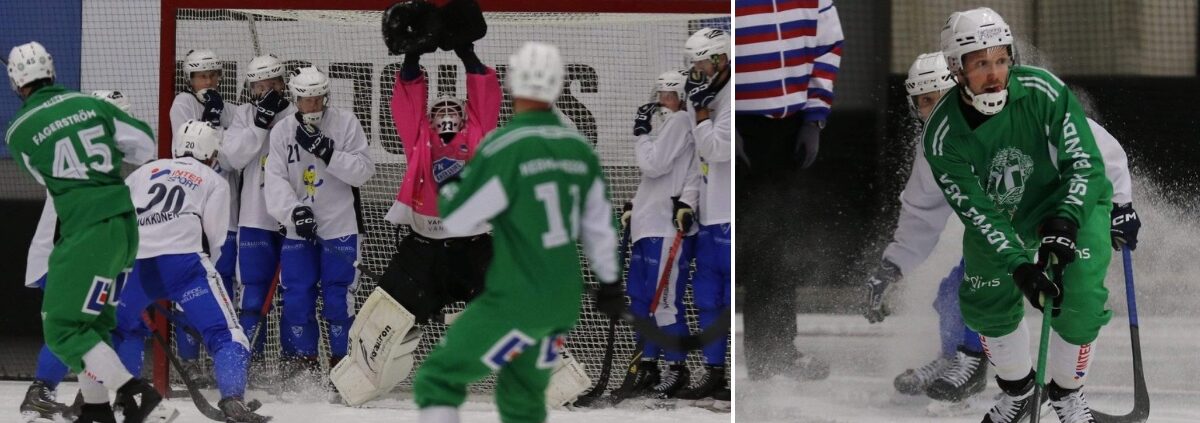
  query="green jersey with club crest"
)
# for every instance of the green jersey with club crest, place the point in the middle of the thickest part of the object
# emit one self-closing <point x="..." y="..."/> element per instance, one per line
<point x="1034" y="159"/>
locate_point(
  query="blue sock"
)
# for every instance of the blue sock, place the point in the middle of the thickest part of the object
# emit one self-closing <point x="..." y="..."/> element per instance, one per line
<point x="130" y="350"/>
<point x="50" y="370"/>
<point x="950" y="320"/>
<point x="971" y="340"/>
<point x="230" y="363"/>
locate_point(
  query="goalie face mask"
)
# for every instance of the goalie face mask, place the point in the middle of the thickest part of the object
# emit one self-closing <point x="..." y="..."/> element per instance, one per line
<point x="447" y="118"/>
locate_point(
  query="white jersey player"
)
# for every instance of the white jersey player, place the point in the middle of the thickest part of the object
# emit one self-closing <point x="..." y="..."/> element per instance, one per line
<point x="959" y="371"/>
<point x="182" y="208"/>
<point x="317" y="161"/>
<point x="662" y="242"/>
<point x="245" y="148"/>
<point x="39" y="400"/>
<point x="709" y="94"/>
<point x="202" y="101"/>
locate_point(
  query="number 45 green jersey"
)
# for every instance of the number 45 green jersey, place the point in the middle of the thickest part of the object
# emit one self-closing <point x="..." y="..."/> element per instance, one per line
<point x="73" y="144"/>
<point x="541" y="186"/>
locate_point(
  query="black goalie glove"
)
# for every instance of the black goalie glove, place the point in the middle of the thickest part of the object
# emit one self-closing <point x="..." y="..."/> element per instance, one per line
<point x="313" y="141"/>
<point x="610" y="299"/>
<point x="412" y="26"/>
<point x="462" y="24"/>
<point x="878" y="287"/>
<point x="213" y="106"/>
<point x="1125" y="226"/>
<point x="267" y="107"/>
<point x="641" y="122"/>
<point x="305" y="222"/>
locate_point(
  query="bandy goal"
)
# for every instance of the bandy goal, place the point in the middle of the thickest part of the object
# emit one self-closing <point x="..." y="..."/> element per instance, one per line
<point x="613" y="50"/>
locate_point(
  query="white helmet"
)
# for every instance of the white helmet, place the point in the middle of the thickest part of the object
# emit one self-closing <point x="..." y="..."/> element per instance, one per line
<point x="115" y="97"/>
<point x="706" y="43"/>
<point x="671" y="81"/>
<point x="974" y="30"/>
<point x="929" y="73"/>
<point x="535" y="72"/>
<point x="309" y="82"/>
<point x="199" y="139"/>
<point x="264" y="67"/>
<point x="200" y="61"/>
<point x="447" y="115"/>
<point x="27" y="63"/>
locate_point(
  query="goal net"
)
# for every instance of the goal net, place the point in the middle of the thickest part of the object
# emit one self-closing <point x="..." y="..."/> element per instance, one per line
<point x="612" y="60"/>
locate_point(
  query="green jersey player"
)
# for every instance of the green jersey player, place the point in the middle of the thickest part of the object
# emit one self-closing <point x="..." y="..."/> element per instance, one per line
<point x="540" y="185"/>
<point x="1013" y="153"/>
<point x="73" y="144"/>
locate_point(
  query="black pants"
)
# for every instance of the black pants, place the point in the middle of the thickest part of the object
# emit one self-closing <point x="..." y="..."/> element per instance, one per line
<point x="427" y="274"/>
<point x="764" y="197"/>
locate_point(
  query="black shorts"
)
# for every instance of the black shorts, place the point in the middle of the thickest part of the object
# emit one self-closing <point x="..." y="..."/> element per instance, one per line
<point x="427" y="274"/>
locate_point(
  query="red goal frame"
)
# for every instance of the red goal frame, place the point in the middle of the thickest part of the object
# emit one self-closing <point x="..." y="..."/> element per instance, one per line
<point x="166" y="89"/>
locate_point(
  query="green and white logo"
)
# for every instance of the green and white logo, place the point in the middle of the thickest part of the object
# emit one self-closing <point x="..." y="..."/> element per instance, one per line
<point x="1008" y="173"/>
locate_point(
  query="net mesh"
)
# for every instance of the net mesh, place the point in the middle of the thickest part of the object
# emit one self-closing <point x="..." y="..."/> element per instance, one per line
<point x="607" y="80"/>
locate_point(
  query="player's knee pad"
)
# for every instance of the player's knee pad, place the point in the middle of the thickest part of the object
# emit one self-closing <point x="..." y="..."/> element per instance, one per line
<point x="382" y="340"/>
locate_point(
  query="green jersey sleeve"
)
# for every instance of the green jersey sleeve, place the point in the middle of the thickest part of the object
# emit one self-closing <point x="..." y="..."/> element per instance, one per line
<point x="475" y="197"/>
<point x="951" y="168"/>
<point x="1079" y="163"/>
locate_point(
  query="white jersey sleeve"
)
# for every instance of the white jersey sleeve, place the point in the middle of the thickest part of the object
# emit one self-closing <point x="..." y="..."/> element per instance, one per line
<point x="246" y="147"/>
<point x="669" y="167"/>
<point x="1116" y="163"/>
<point x="180" y="204"/>
<point x="138" y="146"/>
<point x="597" y="234"/>
<point x="295" y="177"/>
<point x="38" y="260"/>
<point x="714" y="146"/>
<point x="923" y="215"/>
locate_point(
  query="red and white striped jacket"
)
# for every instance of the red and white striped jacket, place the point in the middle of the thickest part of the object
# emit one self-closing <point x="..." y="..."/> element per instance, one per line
<point x="788" y="54"/>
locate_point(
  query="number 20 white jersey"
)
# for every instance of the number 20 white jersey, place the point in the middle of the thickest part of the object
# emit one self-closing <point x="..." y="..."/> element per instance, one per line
<point x="178" y="203"/>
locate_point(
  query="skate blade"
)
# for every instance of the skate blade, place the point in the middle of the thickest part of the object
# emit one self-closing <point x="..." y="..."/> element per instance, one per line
<point x="949" y="409"/>
<point x="36" y="417"/>
<point x="899" y="398"/>
<point x="662" y="403"/>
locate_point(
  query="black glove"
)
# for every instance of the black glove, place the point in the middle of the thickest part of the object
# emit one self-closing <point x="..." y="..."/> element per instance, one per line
<point x="470" y="60"/>
<point x="1058" y="245"/>
<point x="698" y="91"/>
<point x="626" y="215"/>
<point x="1032" y="281"/>
<point x="641" y="122"/>
<point x="411" y="26"/>
<point x="268" y="106"/>
<point x="463" y="24"/>
<point x="1125" y="225"/>
<point x="610" y="300"/>
<point x="213" y="106"/>
<point x="877" y="289"/>
<point x="807" y="142"/>
<point x="305" y="222"/>
<point x="313" y="141"/>
<point x="682" y="215"/>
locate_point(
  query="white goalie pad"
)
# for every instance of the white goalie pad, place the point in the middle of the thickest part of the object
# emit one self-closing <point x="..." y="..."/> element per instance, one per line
<point x="381" y="340"/>
<point x="568" y="380"/>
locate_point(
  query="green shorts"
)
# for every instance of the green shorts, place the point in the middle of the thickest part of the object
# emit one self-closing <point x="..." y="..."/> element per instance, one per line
<point x="993" y="305"/>
<point x="83" y="284"/>
<point x="490" y="337"/>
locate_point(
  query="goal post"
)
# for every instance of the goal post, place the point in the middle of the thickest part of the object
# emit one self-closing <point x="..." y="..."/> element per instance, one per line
<point x="613" y="51"/>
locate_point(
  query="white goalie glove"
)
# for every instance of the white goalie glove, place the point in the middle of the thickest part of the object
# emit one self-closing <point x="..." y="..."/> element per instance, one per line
<point x="382" y="341"/>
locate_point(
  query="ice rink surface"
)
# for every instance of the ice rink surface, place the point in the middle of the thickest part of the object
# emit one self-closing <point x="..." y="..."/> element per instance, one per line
<point x="390" y="410"/>
<point x="865" y="358"/>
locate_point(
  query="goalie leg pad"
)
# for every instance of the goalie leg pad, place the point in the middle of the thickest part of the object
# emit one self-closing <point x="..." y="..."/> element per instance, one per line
<point x="382" y="340"/>
<point x="568" y="381"/>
